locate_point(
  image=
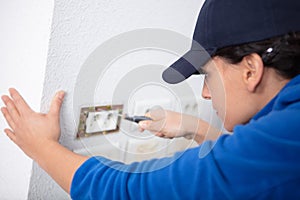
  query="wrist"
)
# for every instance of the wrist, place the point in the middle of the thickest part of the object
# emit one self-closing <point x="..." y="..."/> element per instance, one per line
<point x="43" y="148"/>
<point x="190" y="126"/>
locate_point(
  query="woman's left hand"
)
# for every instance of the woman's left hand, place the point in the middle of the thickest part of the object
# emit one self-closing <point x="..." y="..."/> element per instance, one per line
<point x="28" y="129"/>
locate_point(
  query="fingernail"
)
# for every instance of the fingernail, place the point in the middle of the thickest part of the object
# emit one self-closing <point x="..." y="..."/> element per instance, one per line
<point x="61" y="95"/>
<point x="143" y="124"/>
<point x="11" y="91"/>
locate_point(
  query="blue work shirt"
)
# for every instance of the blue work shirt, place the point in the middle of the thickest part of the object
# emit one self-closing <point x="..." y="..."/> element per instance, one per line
<point x="260" y="160"/>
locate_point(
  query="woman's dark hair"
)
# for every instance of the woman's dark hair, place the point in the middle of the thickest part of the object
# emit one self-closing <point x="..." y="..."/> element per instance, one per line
<point x="281" y="53"/>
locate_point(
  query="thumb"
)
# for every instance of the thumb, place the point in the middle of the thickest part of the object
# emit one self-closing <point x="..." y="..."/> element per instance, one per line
<point x="155" y="126"/>
<point x="144" y="125"/>
<point x="56" y="103"/>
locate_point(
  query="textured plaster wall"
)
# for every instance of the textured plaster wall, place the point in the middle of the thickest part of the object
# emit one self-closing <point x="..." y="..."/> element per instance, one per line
<point x="78" y="28"/>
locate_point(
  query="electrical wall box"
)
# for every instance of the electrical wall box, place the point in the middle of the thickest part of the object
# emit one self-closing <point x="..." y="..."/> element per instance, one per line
<point x="99" y="120"/>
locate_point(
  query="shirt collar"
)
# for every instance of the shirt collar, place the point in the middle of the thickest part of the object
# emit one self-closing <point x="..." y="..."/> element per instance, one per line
<point x="269" y="107"/>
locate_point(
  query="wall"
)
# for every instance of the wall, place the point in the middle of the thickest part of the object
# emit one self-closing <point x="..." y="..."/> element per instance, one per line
<point x="24" y="36"/>
<point x="79" y="29"/>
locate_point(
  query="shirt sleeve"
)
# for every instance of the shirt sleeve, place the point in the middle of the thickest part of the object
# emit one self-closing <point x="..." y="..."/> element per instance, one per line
<point x="256" y="159"/>
<point x="176" y="177"/>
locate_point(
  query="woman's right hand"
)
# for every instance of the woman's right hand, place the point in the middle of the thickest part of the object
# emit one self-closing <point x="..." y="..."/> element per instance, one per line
<point x="170" y="124"/>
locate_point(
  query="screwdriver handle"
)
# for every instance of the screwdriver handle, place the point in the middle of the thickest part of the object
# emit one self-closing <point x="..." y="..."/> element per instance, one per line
<point x="137" y="119"/>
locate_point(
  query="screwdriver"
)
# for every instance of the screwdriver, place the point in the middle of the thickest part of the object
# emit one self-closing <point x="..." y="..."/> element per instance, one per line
<point x="136" y="119"/>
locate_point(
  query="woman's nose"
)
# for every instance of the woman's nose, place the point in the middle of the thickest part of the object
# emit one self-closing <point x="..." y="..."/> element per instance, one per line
<point x="205" y="92"/>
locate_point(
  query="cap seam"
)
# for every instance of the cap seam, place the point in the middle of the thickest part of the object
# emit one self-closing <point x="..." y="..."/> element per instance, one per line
<point x="208" y="22"/>
<point x="273" y="17"/>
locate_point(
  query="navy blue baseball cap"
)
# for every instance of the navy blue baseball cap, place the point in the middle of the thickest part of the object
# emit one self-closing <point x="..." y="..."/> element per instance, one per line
<point x="223" y="23"/>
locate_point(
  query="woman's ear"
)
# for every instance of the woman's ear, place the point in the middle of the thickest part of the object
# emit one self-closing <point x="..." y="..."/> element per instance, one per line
<point x="253" y="71"/>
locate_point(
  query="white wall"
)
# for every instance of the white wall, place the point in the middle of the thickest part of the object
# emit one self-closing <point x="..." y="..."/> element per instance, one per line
<point x="80" y="27"/>
<point x="24" y="37"/>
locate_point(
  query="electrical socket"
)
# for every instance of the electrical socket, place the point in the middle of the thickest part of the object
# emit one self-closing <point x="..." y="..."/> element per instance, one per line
<point x="101" y="121"/>
<point x="189" y="105"/>
<point x="139" y="150"/>
<point x="95" y="120"/>
<point x="141" y="107"/>
<point x="108" y="150"/>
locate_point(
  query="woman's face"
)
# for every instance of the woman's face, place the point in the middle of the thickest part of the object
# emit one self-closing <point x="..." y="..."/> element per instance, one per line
<point x="224" y="85"/>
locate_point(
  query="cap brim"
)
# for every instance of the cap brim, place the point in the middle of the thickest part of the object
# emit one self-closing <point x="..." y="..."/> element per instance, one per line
<point x="189" y="64"/>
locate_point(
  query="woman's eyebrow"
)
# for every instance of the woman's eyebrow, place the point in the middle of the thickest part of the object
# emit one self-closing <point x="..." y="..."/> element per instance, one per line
<point x="202" y="70"/>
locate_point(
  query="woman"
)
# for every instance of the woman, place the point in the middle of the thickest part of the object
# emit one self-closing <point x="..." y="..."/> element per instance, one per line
<point x="254" y="83"/>
<point x="278" y="56"/>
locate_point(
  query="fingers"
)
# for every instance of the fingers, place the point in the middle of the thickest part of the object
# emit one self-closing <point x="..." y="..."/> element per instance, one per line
<point x="141" y="129"/>
<point x="10" y="134"/>
<point x="159" y="134"/>
<point x="8" y="118"/>
<point x="154" y="126"/>
<point x="159" y="118"/>
<point x="148" y="114"/>
<point x="19" y="102"/>
<point x="11" y="108"/>
<point x="56" y="103"/>
<point x="156" y="114"/>
<point x="144" y="125"/>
